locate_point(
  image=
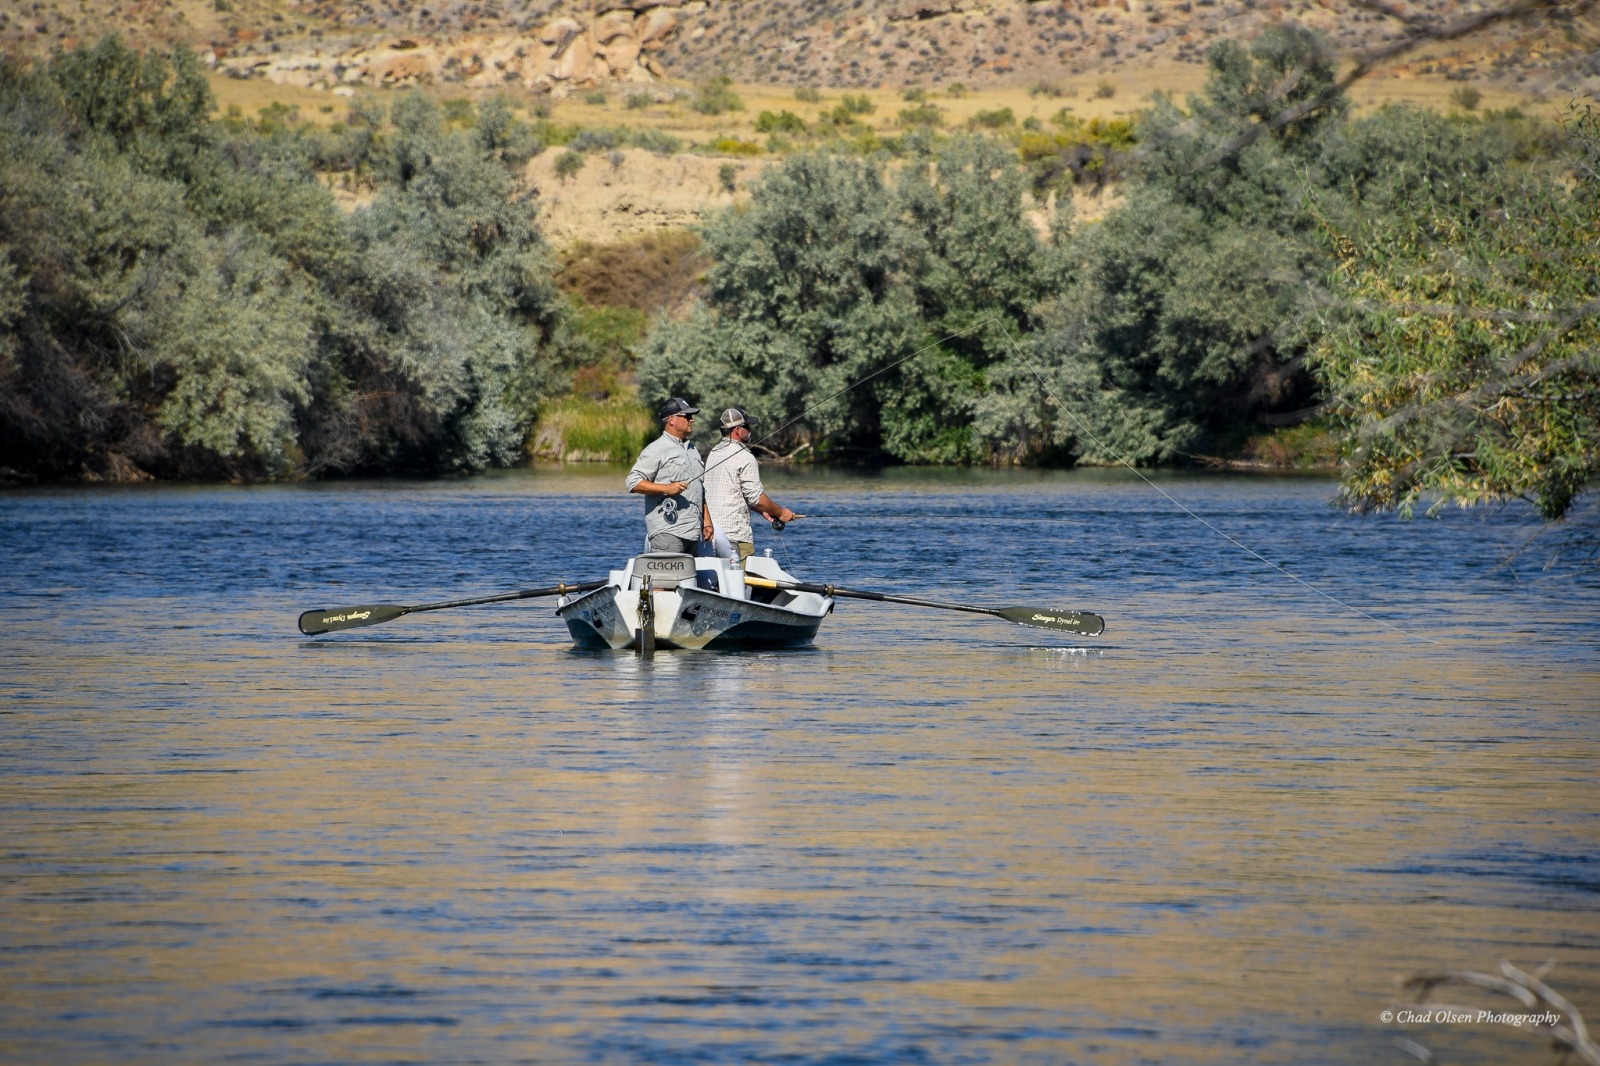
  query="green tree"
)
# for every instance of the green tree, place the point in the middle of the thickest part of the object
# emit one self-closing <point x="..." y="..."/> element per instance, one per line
<point x="141" y="337"/>
<point x="1230" y="152"/>
<point x="1152" y="348"/>
<point x="832" y="276"/>
<point x="237" y="344"/>
<point x="437" y="347"/>
<point x="155" y="108"/>
<point x="1463" y="354"/>
<point x="1179" y="317"/>
<point x="808" y="294"/>
<point x="181" y="295"/>
<point x="982" y="271"/>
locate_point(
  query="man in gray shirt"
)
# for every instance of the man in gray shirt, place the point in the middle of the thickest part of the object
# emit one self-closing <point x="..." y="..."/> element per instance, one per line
<point x="668" y="475"/>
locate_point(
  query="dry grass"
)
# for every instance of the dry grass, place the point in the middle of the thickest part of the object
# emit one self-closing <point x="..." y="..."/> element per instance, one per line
<point x="1132" y="90"/>
<point x="681" y="120"/>
<point x="251" y="95"/>
<point x="656" y="272"/>
<point x="605" y="205"/>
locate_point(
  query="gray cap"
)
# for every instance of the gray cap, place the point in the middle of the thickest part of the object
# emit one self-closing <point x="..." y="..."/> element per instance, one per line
<point x="677" y="406"/>
<point x="735" y="417"/>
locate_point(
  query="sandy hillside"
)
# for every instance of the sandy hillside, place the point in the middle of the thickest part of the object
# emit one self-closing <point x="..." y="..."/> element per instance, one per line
<point x="563" y="46"/>
<point x="643" y="192"/>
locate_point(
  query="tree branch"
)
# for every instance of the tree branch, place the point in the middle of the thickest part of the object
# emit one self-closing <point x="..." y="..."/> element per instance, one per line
<point x="1421" y="32"/>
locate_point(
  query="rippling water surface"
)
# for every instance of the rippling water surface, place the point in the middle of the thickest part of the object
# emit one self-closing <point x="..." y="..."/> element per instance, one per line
<point x="1218" y="833"/>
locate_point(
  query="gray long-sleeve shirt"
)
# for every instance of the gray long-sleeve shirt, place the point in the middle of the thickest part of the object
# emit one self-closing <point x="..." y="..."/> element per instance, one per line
<point x="663" y="460"/>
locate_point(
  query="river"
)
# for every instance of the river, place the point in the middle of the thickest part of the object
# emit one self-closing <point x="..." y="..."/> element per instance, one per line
<point x="1283" y="779"/>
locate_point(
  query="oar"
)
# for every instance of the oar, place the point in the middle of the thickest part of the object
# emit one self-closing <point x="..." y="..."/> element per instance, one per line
<point x="332" y="621"/>
<point x="1081" y="623"/>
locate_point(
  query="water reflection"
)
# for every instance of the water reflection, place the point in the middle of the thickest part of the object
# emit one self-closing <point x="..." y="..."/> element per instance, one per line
<point x="1218" y="833"/>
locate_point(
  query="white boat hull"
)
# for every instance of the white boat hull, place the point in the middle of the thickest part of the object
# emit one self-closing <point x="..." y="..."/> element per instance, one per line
<point x="714" y="610"/>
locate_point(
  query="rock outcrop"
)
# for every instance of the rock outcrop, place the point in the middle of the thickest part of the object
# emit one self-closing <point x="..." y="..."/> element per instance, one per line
<point x="618" y="43"/>
<point x="559" y="46"/>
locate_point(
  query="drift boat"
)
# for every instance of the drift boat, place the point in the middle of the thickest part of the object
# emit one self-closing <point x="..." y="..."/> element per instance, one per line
<point x="671" y="600"/>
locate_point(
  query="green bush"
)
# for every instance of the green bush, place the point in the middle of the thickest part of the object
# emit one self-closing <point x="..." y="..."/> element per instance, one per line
<point x="831" y="273"/>
<point x="993" y="120"/>
<point x="735" y="146"/>
<point x="923" y="116"/>
<point x="716" y="97"/>
<point x="782" y="122"/>
<point x="653" y="140"/>
<point x="199" y="306"/>
<point x="568" y="164"/>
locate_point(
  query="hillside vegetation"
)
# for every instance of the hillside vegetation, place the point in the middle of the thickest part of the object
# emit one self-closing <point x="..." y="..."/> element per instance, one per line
<point x="562" y="46"/>
<point x="184" y="295"/>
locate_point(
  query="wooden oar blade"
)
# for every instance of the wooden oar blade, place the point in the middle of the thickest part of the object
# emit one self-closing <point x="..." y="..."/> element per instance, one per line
<point x="1079" y="622"/>
<point x="332" y="621"/>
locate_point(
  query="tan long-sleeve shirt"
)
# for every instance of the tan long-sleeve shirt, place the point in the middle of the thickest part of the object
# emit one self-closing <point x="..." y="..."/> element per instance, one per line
<point x="733" y="487"/>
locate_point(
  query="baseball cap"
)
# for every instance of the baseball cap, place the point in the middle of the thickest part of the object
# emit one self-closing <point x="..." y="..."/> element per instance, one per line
<point x="677" y="406"/>
<point x="734" y="417"/>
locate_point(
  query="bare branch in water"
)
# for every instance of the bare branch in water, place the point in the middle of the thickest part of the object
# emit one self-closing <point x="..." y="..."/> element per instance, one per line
<point x="1569" y="1032"/>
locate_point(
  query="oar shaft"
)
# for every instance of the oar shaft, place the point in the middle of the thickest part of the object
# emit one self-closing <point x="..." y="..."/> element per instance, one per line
<point x="1079" y="622"/>
<point x="525" y="594"/>
<point x="340" y="618"/>
<point x="856" y="594"/>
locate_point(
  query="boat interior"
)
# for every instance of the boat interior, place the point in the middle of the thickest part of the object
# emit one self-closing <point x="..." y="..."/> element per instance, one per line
<point x="668" y="570"/>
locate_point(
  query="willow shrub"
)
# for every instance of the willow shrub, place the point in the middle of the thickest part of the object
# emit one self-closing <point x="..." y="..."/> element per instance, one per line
<point x="182" y="295"/>
<point x="833" y="276"/>
<point x="1463" y="356"/>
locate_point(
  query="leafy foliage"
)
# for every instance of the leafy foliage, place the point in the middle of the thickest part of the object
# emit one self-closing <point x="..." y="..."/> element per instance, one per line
<point x="1178" y="318"/>
<point x="1084" y="154"/>
<point x="833" y="275"/>
<point x="183" y="296"/>
<point x="1465" y="354"/>
<point x="780" y="122"/>
<point x="716" y="97"/>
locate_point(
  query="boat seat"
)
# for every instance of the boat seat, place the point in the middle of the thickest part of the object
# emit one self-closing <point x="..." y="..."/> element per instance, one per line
<point x="665" y="569"/>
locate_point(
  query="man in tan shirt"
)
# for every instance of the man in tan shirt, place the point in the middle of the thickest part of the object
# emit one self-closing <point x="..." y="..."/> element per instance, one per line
<point x="733" y="485"/>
